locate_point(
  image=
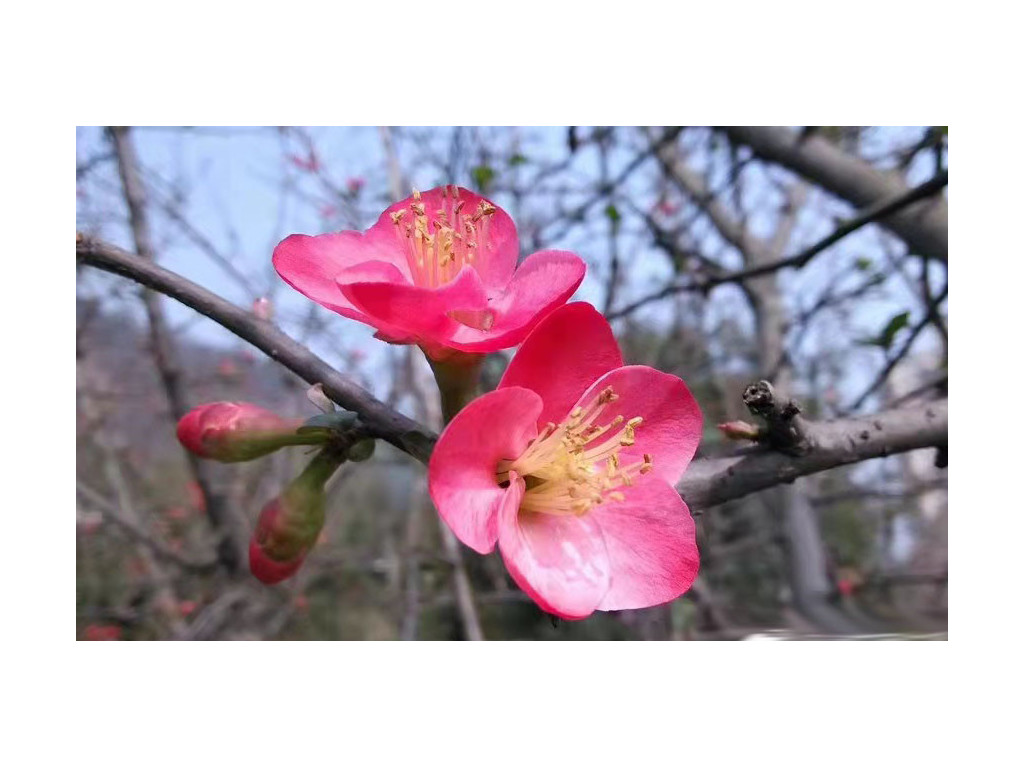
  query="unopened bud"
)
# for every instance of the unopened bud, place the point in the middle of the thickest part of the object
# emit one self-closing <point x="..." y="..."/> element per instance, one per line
<point x="290" y="524"/>
<point x="740" y="430"/>
<point x="263" y="308"/>
<point x="239" y="432"/>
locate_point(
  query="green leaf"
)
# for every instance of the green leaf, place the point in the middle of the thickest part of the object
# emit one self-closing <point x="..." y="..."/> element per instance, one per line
<point x="335" y="421"/>
<point x="482" y="175"/>
<point x="863" y="263"/>
<point x="888" y="334"/>
<point x="517" y="159"/>
<point x="613" y="213"/>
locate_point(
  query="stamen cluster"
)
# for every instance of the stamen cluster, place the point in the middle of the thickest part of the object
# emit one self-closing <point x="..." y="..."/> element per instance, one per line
<point x="573" y="466"/>
<point x="441" y="242"/>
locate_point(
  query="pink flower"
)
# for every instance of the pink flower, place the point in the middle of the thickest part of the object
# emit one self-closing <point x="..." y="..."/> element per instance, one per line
<point x="355" y="185"/>
<point x="437" y="269"/>
<point x="229" y="432"/>
<point x="569" y="467"/>
<point x="186" y="608"/>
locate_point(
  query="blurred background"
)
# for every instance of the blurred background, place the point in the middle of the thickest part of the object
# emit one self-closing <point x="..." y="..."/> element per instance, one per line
<point x="659" y="214"/>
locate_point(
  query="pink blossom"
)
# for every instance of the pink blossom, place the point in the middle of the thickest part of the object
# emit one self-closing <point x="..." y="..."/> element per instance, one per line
<point x="569" y="467"/>
<point x="355" y="185"/>
<point x="229" y="432"/>
<point x="437" y="269"/>
<point x="310" y="163"/>
<point x="186" y="608"/>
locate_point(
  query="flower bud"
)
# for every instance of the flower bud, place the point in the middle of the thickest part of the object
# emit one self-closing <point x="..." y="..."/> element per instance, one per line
<point x="263" y="308"/>
<point x="290" y="524"/>
<point x="239" y="432"/>
<point x="740" y="430"/>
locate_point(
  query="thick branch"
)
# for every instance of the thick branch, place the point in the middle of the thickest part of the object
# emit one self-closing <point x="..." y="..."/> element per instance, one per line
<point x="707" y="481"/>
<point x="924" y="226"/>
<point x="826" y="445"/>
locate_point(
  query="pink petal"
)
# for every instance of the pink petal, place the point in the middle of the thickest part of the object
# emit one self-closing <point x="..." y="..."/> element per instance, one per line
<point x="462" y="476"/>
<point x="497" y="259"/>
<point x="402" y="309"/>
<point x="672" y="422"/>
<point x="542" y="282"/>
<point x="652" y="546"/>
<point x="567" y="352"/>
<point x="310" y="264"/>
<point x="558" y="560"/>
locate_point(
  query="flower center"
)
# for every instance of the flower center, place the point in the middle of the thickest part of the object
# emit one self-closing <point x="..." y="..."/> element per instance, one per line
<point x="439" y="243"/>
<point x="573" y="466"/>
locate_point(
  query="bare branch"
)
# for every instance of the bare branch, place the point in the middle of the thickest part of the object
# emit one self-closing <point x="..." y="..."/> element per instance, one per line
<point x="707" y="481"/>
<point x="924" y="226"/>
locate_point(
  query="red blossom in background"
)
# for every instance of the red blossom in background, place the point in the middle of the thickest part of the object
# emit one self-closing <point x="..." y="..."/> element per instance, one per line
<point x="187" y="607"/>
<point x="102" y="632"/>
<point x="438" y="269"/>
<point x="310" y="163"/>
<point x="569" y="467"/>
<point x="355" y="185"/>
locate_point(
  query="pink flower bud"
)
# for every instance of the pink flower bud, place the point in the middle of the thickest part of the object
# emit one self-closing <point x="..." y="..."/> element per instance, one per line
<point x="290" y="525"/>
<point x="263" y="308"/>
<point x="739" y="430"/>
<point x="355" y="184"/>
<point x="231" y="432"/>
<point x="186" y="608"/>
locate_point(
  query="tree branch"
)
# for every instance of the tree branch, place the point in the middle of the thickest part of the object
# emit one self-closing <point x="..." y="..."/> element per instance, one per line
<point x="707" y="481"/>
<point x="923" y="226"/>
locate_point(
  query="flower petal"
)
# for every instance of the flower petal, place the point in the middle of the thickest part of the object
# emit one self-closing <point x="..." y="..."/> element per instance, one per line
<point x="309" y="264"/>
<point x="567" y="352"/>
<point x="410" y="310"/>
<point x="496" y="260"/>
<point x="462" y="476"/>
<point x="652" y="546"/>
<point x="672" y="421"/>
<point x="558" y="560"/>
<point x="542" y="282"/>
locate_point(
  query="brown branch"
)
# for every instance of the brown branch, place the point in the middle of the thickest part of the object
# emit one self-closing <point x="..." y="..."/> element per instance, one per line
<point x="867" y="216"/>
<point x="231" y="533"/>
<point x="378" y="419"/>
<point x="707" y="481"/>
<point x="923" y="226"/>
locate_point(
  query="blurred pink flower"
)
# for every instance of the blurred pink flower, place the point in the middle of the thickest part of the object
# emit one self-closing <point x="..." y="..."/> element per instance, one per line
<point x="196" y="497"/>
<point x="102" y="632"/>
<point x="186" y="608"/>
<point x="569" y="467"/>
<point x="310" y="163"/>
<point x="437" y="269"/>
<point x="355" y="185"/>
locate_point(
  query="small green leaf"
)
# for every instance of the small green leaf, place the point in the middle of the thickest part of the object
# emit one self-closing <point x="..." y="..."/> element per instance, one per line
<point x="335" y="421"/>
<point x="863" y="263"/>
<point x="362" y="450"/>
<point x="483" y="175"/>
<point x="613" y="213"/>
<point x="517" y="159"/>
<point x="888" y="334"/>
